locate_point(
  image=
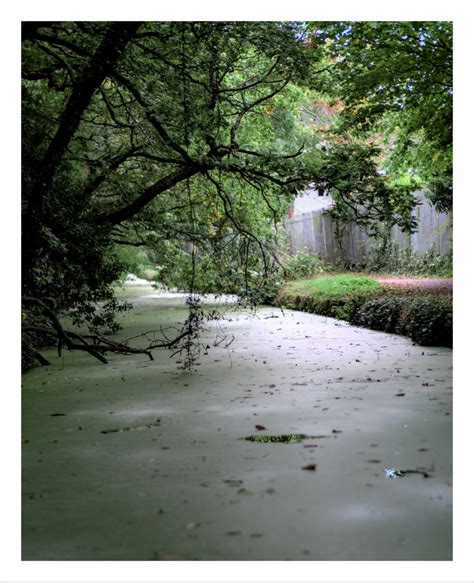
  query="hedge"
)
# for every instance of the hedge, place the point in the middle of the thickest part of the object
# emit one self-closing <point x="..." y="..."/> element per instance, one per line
<point x="426" y="319"/>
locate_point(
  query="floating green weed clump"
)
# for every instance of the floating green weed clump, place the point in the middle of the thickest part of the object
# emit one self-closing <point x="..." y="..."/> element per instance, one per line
<point x="292" y="438"/>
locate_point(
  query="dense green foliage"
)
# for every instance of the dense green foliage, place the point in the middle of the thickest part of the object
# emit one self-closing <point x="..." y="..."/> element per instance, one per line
<point x="382" y="255"/>
<point x="426" y="320"/>
<point x="185" y="139"/>
<point x="389" y="258"/>
<point x="303" y="264"/>
<point x="176" y="137"/>
<point x="395" y="80"/>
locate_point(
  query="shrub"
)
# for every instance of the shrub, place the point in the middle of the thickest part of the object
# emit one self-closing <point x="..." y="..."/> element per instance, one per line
<point x="387" y="257"/>
<point x="303" y="264"/>
<point x="430" y="322"/>
<point x="426" y="320"/>
<point x="379" y="314"/>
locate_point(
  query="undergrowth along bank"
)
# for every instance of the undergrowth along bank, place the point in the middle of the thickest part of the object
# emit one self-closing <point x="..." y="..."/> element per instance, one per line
<point x="425" y="318"/>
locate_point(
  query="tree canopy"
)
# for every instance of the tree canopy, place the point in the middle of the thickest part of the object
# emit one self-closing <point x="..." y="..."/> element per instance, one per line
<point x="188" y="138"/>
<point x="396" y="79"/>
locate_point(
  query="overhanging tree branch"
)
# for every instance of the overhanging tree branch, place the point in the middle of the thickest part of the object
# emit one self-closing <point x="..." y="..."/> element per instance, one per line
<point x="147" y="196"/>
<point x="101" y="64"/>
<point x="152" y="117"/>
<point x="113" y="165"/>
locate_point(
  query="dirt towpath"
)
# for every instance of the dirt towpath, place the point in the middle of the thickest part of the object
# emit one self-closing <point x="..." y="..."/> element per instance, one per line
<point x="443" y="285"/>
<point x="137" y="460"/>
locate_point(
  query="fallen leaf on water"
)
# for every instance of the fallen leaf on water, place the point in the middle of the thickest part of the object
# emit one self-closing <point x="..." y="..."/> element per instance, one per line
<point x="260" y="427"/>
<point x="233" y="482"/>
<point x="309" y="467"/>
<point x="256" y="535"/>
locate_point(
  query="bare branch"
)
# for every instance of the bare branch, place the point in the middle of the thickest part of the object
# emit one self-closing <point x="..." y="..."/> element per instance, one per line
<point x="100" y="343"/>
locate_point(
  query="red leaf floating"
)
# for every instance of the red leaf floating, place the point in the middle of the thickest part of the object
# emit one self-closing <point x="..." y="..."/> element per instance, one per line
<point x="260" y="427"/>
<point x="309" y="467"/>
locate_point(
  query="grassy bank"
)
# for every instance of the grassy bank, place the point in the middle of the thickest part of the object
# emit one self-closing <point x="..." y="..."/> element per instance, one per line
<point x="424" y="317"/>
